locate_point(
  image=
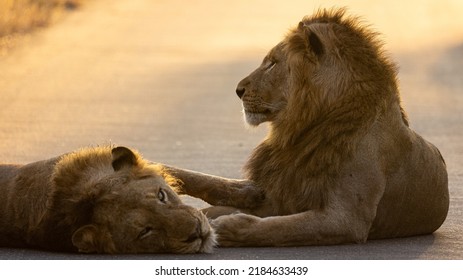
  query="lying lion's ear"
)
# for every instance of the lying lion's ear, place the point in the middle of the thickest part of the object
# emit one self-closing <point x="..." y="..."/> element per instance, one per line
<point x="91" y="239"/>
<point x="85" y="239"/>
<point x="123" y="157"/>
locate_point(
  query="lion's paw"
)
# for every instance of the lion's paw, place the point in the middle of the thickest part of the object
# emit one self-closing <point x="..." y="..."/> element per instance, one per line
<point x="248" y="196"/>
<point x="234" y="230"/>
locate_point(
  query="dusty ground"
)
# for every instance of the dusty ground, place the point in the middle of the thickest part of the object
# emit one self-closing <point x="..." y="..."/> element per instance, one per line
<point x="160" y="76"/>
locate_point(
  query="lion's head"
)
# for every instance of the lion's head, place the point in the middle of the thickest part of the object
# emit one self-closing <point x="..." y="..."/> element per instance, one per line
<point x="113" y="201"/>
<point x="265" y="91"/>
<point x="317" y="68"/>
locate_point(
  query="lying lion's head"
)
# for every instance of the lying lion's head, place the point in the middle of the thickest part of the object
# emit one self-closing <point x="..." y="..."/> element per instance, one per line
<point x="112" y="201"/>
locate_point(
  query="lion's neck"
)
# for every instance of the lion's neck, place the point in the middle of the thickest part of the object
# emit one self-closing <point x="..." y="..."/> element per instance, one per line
<point x="321" y="134"/>
<point x="302" y="163"/>
<point x="303" y="146"/>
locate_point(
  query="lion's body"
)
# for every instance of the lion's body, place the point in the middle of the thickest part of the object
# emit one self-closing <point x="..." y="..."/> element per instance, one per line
<point x="340" y="163"/>
<point x="97" y="200"/>
<point x="402" y="187"/>
<point x="22" y="205"/>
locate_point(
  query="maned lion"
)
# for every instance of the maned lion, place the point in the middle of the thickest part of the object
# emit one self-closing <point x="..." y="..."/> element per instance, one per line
<point x="103" y="200"/>
<point x="340" y="163"/>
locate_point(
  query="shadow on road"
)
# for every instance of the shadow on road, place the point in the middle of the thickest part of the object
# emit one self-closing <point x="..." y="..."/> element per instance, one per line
<point x="395" y="249"/>
<point x="448" y="69"/>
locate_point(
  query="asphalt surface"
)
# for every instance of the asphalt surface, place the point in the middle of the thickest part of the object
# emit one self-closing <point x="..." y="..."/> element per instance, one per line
<point x="160" y="76"/>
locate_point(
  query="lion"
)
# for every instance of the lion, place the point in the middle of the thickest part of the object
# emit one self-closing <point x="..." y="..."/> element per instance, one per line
<point x="340" y="163"/>
<point x="98" y="200"/>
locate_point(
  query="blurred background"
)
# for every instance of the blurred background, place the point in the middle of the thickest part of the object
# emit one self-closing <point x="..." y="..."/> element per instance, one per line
<point x="160" y="76"/>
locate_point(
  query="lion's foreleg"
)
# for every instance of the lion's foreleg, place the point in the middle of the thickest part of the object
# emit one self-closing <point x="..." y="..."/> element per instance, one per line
<point x="347" y="218"/>
<point x="306" y="228"/>
<point x="217" y="190"/>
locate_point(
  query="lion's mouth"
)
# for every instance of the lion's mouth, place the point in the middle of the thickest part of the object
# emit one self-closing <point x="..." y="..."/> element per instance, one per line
<point x="208" y="241"/>
<point x="263" y="112"/>
<point x="254" y="111"/>
<point x="203" y="237"/>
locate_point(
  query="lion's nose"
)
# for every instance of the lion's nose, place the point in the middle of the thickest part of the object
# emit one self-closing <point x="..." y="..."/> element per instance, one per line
<point x="240" y="91"/>
<point x="195" y="235"/>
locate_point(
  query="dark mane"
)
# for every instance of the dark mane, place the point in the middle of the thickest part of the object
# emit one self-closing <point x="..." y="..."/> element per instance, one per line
<point x="337" y="92"/>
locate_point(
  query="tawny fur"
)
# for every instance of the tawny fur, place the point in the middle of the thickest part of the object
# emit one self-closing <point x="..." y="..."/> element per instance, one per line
<point x="103" y="200"/>
<point x="340" y="163"/>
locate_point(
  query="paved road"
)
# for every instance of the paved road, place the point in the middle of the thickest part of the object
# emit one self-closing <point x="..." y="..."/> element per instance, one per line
<point x="160" y="76"/>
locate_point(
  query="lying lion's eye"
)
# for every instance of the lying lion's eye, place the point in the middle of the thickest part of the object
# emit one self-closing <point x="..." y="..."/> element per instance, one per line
<point x="145" y="232"/>
<point x="162" y="196"/>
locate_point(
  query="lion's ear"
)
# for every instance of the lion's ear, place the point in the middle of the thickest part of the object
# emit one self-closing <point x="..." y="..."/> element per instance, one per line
<point x="123" y="157"/>
<point x="315" y="43"/>
<point x="85" y="239"/>
<point x="91" y="239"/>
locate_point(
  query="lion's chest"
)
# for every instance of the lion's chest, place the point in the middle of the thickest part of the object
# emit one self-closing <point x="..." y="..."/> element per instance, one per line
<point x="288" y="188"/>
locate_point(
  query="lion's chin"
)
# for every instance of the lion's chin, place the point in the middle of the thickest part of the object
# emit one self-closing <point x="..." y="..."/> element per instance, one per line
<point x="209" y="242"/>
<point x="254" y="119"/>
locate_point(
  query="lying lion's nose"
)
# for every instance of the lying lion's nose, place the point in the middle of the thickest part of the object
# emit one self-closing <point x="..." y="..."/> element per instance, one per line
<point x="195" y="235"/>
<point x="192" y="237"/>
<point x="240" y="91"/>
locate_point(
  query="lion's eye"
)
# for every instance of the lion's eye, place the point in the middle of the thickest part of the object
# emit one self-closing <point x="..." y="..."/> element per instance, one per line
<point x="145" y="232"/>
<point x="271" y="65"/>
<point x="162" y="196"/>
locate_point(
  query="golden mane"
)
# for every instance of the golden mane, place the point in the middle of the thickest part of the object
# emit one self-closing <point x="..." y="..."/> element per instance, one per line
<point x="330" y="107"/>
<point x="101" y="199"/>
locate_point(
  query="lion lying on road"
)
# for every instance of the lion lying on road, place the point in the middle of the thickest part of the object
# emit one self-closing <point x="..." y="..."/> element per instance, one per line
<point x="100" y="200"/>
<point x="340" y="163"/>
